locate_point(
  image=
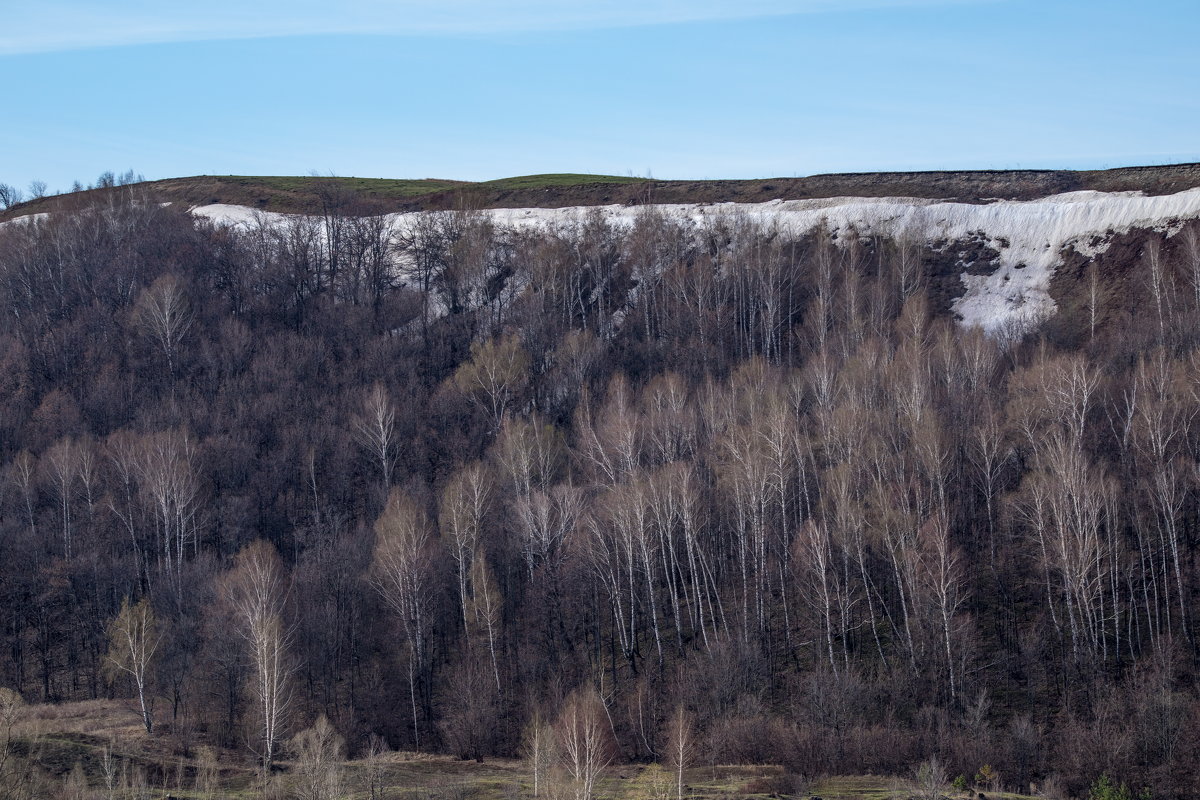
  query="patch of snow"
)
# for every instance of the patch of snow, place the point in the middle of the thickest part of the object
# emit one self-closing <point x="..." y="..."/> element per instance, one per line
<point x="26" y="219"/>
<point x="1028" y="235"/>
<point x="234" y="216"/>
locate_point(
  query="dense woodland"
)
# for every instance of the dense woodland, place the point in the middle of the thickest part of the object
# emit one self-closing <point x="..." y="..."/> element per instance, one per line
<point x="438" y="484"/>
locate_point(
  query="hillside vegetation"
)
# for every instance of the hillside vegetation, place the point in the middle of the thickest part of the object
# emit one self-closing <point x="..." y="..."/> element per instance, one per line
<point x="571" y="502"/>
<point x="304" y="194"/>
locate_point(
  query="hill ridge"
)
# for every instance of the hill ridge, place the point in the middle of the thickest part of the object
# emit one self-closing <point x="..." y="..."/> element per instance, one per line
<point x="554" y="190"/>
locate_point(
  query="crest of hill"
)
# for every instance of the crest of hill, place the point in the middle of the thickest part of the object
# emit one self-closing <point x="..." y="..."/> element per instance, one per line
<point x="303" y="194"/>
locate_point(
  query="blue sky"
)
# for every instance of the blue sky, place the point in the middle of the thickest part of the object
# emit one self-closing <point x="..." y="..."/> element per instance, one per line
<point x="478" y="89"/>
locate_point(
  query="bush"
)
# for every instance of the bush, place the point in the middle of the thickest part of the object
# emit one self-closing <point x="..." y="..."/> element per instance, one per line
<point x="1105" y="789"/>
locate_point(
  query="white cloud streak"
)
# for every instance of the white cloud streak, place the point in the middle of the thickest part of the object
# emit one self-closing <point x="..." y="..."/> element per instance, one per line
<point x="57" y="25"/>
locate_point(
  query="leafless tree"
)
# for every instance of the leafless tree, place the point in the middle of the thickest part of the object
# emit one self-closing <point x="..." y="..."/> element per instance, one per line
<point x="9" y="196"/>
<point x="931" y="780"/>
<point x="62" y="467"/>
<point x="399" y="574"/>
<point x="167" y="478"/>
<point x="319" y="752"/>
<point x="377" y="751"/>
<point x="1156" y="276"/>
<point x="336" y="209"/>
<point x="1065" y="510"/>
<point x="165" y="317"/>
<point x="465" y="503"/>
<point x="611" y="440"/>
<point x="23" y="475"/>
<point x="1093" y="301"/>
<point x="1190" y="238"/>
<point x="133" y="639"/>
<point x="495" y="377"/>
<point x="584" y="737"/>
<point x="256" y="590"/>
<point x="546" y="520"/>
<point x="947" y="587"/>
<point x="815" y="554"/>
<point x="486" y="604"/>
<point x="530" y="453"/>
<point x="370" y="270"/>
<point x="375" y="430"/>
<point x="538" y="748"/>
<point x="907" y="267"/>
<point x="681" y="746"/>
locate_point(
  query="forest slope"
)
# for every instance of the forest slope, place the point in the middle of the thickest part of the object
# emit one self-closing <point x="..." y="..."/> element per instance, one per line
<point x="735" y="490"/>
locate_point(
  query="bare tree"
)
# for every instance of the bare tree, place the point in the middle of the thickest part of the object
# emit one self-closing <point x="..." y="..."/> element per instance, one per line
<point x="319" y="753"/>
<point x="822" y="589"/>
<point x="165" y="317"/>
<point x="931" y="779"/>
<point x="122" y="449"/>
<point x="1156" y="276"/>
<point x="23" y="474"/>
<point x="945" y="583"/>
<point x="584" y="737"/>
<point x="62" y="467"/>
<point x="256" y="589"/>
<point x="530" y="453"/>
<point x="399" y="574"/>
<point x="545" y="521"/>
<point x="538" y="748"/>
<point x="1190" y="237"/>
<point x="1093" y="301"/>
<point x="377" y="751"/>
<point x="495" y="377"/>
<point x="466" y="500"/>
<point x="907" y="267"/>
<point x="336" y="200"/>
<point x="133" y="639"/>
<point x="375" y="429"/>
<point x="15" y="772"/>
<point x="424" y="245"/>
<point x="681" y="746"/>
<point x="167" y="478"/>
<point x="487" y="604"/>
<point x="1063" y="504"/>
<point x="9" y="196"/>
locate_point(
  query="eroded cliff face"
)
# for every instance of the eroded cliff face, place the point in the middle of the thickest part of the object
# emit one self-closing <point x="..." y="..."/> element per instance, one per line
<point x="990" y="264"/>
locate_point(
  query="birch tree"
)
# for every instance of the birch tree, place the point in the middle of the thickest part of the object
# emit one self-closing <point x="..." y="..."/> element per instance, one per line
<point x="487" y="605"/>
<point x="167" y="478"/>
<point x="165" y="317"/>
<point x="465" y="502"/>
<point x="319" y="752"/>
<point x="375" y="429"/>
<point x="538" y="748"/>
<point x="681" y="746"/>
<point x="399" y="574"/>
<point x="256" y="589"/>
<point x="495" y="377"/>
<point x="584" y="738"/>
<point x="62" y="470"/>
<point x="133" y="639"/>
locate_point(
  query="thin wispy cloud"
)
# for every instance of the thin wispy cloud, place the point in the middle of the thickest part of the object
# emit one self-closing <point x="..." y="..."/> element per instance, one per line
<point x="56" y="25"/>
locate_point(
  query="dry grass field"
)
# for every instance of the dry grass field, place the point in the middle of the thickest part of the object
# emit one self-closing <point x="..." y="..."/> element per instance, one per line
<point x="103" y="741"/>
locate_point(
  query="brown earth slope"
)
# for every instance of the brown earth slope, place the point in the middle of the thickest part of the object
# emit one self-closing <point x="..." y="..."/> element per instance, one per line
<point x="297" y="194"/>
